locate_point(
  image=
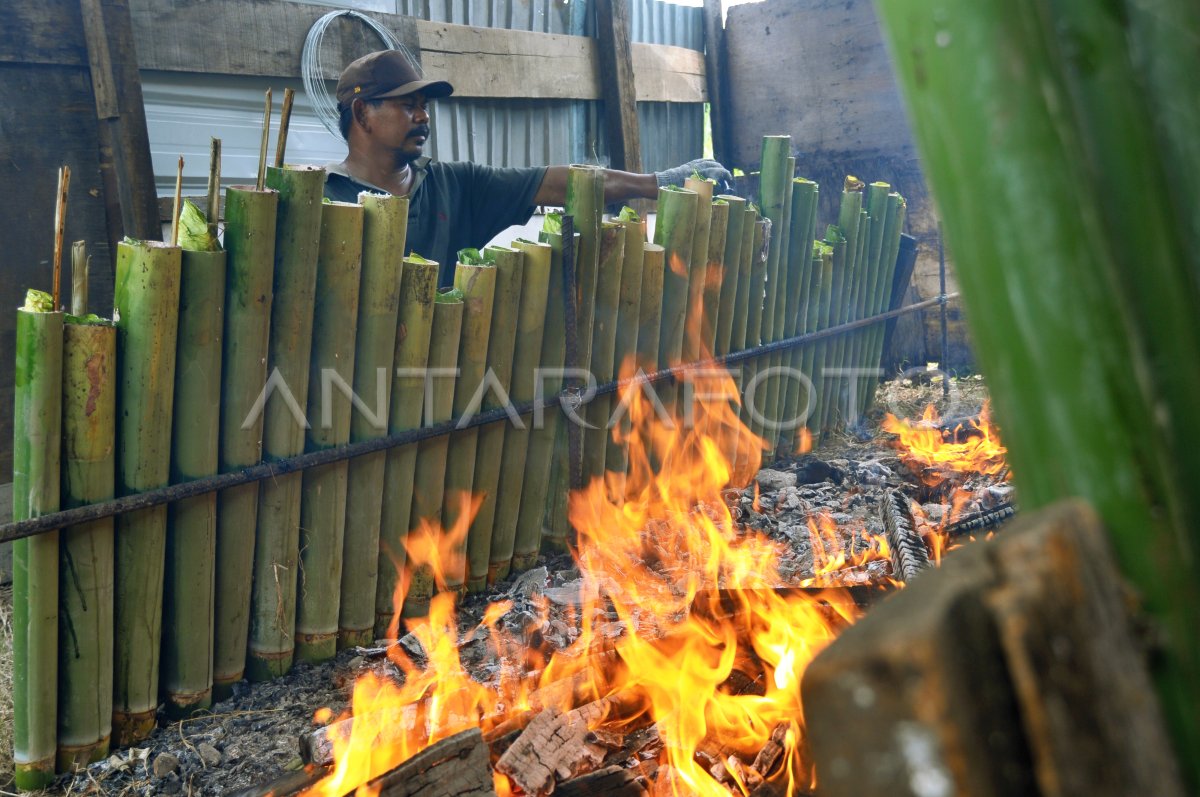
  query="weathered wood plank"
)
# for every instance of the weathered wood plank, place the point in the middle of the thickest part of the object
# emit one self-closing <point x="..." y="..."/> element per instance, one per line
<point x="615" y="61"/>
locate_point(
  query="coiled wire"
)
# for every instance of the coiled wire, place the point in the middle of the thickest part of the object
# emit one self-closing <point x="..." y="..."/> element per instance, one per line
<point x="313" y="67"/>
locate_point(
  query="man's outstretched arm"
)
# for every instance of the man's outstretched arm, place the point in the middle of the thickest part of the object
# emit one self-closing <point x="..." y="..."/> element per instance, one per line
<point x="620" y="185"/>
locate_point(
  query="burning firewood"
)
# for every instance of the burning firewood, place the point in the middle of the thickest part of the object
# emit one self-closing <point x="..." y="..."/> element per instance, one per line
<point x="557" y="747"/>
<point x="607" y="782"/>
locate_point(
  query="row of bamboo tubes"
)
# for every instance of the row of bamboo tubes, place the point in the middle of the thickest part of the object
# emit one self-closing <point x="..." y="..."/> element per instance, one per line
<point x="310" y="330"/>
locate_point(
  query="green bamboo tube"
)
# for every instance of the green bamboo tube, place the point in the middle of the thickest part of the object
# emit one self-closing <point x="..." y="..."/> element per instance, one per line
<point x="876" y="208"/>
<point x="843" y="288"/>
<point x="85" y="570"/>
<point x="674" y="231"/>
<point x="694" y="321"/>
<point x="430" y="483"/>
<point x="188" y="596"/>
<point x="37" y="423"/>
<point x="894" y="217"/>
<point x="146" y="307"/>
<point x="756" y="300"/>
<point x="478" y="286"/>
<point x="250" y="217"/>
<point x="741" y="302"/>
<point x="604" y="348"/>
<point x="418" y="287"/>
<point x="818" y="313"/>
<point x="650" y="310"/>
<point x="731" y="260"/>
<point x="277" y="543"/>
<point x="714" y="274"/>
<point x="330" y="373"/>
<point x="777" y="288"/>
<point x="1060" y="317"/>
<point x="385" y="228"/>
<point x="585" y="203"/>
<point x="531" y="321"/>
<point x="774" y="197"/>
<point x="854" y="309"/>
<point x="502" y="339"/>
<point x="800" y="262"/>
<point x="788" y="307"/>
<point x="625" y="346"/>
<point x="539" y="476"/>
<point x="825" y="350"/>
<point x="877" y="203"/>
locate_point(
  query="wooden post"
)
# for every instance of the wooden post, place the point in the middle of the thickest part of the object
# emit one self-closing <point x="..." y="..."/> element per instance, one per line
<point x="616" y="84"/>
<point x="714" y="74"/>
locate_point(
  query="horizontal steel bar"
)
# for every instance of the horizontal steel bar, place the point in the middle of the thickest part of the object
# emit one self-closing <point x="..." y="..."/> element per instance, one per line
<point x="131" y="503"/>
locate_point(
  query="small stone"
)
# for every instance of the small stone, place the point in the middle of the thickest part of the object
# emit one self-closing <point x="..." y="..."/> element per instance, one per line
<point x="164" y="765"/>
<point x="210" y="755"/>
<point x="355" y="663"/>
<point x="772" y="480"/>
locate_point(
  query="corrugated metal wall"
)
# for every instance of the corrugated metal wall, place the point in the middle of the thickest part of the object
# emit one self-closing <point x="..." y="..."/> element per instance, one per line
<point x="183" y="110"/>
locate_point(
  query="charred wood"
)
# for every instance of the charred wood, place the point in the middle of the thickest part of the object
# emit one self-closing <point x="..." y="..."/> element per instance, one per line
<point x="607" y="782"/>
<point x="909" y="554"/>
<point x="454" y="767"/>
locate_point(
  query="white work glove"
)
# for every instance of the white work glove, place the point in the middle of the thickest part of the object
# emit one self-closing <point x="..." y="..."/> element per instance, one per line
<point x="705" y="167"/>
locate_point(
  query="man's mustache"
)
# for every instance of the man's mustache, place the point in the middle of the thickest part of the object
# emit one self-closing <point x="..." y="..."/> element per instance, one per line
<point x="423" y="130"/>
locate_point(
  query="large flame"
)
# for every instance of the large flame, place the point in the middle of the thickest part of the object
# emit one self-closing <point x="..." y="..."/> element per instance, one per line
<point x="936" y="454"/>
<point x="707" y="644"/>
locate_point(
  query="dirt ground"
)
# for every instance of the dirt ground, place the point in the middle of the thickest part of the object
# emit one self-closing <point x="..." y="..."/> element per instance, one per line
<point x="252" y="738"/>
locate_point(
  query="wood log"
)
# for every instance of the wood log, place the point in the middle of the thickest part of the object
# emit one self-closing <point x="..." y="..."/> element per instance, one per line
<point x="558" y="746"/>
<point x="608" y="782"/>
<point x="454" y="767"/>
<point x="1012" y="668"/>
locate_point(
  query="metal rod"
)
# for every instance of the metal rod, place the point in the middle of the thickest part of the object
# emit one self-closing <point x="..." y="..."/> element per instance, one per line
<point x="265" y="470"/>
<point x="945" y="334"/>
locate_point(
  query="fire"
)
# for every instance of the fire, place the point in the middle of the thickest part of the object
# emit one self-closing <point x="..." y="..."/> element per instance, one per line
<point x="708" y="645"/>
<point x="935" y="454"/>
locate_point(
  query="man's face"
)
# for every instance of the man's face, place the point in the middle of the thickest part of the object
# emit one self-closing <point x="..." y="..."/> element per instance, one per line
<point x="401" y="123"/>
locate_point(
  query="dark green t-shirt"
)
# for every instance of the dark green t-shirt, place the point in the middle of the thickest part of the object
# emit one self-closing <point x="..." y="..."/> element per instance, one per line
<point x="453" y="206"/>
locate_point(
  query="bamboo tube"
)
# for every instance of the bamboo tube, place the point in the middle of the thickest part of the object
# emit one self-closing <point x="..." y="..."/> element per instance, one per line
<point x="531" y="319"/>
<point x="385" y="231"/>
<point x="824" y="353"/>
<point x="625" y="345"/>
<point x="814" y="356"/>
<point x="585" y="203"/>
<point x="896" y="212"/>
<point x="800" y="264"/>
<point x="693" y="325"/>
<point x="418" y="287"/>
<point x="756" y="300"/>
<point x="430" y="484"/>
<point x="774" y="194"/>
<point x="860" y="341"/>
<point x="1059" y="370"/>
<point x="176" y="207"/>
<point x="37" y="423"/>
<point x="714" y="275"/>
<point x="650" y="311"/>
<point x="60" y="226"/>
<point x="502" y="339"/>
<point x="188" y="597"/>
<point x="79" y="281"/>
<point x="674" y="231"/>
<point x="731" y="260"/>
<point x="85" y="569"/>
<point x="260" y="183"/>
<point x="324" y="488"/>
<point x="604" y="346"/>
<point x="787" y="307"/>
<point x="777" y="288"/>
<point x="853" y="311"/>
<point x="277" y="544"/>
<point x="250" y="217"/>
<point x="741" y="302"/>
<point x="146" y="306"/>
<point x="843" y="287"/>
<point x="214" y="187"/>
<point x="478" y="285"/>
<point x="539" y="476"/>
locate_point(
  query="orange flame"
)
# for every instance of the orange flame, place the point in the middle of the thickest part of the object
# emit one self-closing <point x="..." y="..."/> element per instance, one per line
<point x="706" y="645"/>
<point x="935" y="456"/>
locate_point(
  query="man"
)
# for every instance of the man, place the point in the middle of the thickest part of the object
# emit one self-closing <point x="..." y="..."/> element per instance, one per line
<point x="383" y="103"/>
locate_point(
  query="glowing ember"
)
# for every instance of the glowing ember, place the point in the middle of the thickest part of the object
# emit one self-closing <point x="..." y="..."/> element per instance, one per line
<point x="668" y="559"/>
<point x="935" y="454"/>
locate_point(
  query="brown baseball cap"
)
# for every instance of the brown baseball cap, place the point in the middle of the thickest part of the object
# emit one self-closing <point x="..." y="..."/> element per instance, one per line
<point x="386" y="73"/>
